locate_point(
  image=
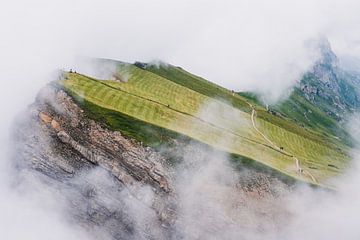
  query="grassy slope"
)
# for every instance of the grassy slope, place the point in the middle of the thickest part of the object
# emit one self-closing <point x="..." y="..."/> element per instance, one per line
<point x="298" y="108"/>
<point x="167" y="106"/>
<point x="240" y="100"/>
<point x="313" y="154"/>
<point x="200" y="85"/>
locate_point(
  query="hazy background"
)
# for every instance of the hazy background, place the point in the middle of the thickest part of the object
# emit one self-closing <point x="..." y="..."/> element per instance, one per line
<point x="243" y="45"/>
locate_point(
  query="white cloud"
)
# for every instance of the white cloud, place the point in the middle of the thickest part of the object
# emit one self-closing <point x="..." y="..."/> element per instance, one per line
<point x="244" y="45"/>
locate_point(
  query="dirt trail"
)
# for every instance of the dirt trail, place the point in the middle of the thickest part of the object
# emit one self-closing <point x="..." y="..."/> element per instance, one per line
<point x="256" y="129"/>
<point x="297" y="161"/>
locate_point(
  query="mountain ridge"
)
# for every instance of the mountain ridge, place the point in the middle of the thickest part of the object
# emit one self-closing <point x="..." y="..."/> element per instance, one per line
<point x="332" y="90"/>
<point x="144" y="133"/>
<point x="169" y="94"/>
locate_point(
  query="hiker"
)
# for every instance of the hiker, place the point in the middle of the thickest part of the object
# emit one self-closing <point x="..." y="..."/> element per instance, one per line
<point x="70" y="70"/>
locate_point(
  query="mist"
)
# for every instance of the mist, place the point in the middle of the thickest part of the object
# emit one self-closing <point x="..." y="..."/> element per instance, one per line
<point x="243" y="45"/>
<point x="213" y="206"/>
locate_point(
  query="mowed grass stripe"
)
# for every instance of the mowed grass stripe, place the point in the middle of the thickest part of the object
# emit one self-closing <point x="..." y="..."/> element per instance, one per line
<point x="259" y="139"/>
<point x="206" y="131"/>
<point x="309" y="152"/>
<point x="158" y="111"/>
<point x="159" y="89"/>
<point x="185" y="102"/>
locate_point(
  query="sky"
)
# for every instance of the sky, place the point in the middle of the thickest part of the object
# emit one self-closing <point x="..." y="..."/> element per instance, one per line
<point x="259" y="45"/>
<point x="247" y="45"/>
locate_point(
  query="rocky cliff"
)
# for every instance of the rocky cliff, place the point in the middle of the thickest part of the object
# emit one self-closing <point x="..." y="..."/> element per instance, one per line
<point x="121" y="188"/>
<point x="329" y="87"/>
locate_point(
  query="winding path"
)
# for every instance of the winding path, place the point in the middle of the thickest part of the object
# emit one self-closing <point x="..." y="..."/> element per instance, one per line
<point x="299" y="169"/>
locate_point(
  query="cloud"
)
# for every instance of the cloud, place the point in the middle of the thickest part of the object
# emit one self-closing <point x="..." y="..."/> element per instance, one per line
<point x="213" y="205"/>
<point x="244" y="45"/>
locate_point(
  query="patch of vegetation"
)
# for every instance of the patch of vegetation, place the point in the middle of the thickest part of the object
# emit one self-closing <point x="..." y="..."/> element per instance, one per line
<point x="198" y="84"/>
<point x="157" y="137"/>
<point x="305" y="114"/>
<point x="153" y="109"/>
<point x="310" y="153"/>
<point x="251" y="97"/>
<point x="238" y="100"/>
<point x="130" y="127"/>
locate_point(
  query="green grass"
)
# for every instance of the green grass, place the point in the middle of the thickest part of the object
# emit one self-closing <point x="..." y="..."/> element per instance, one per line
<point x="238" y="100"/>
<point x="198" y="84"/>
<point x="306" y="114"/>
<point x="299" y="116"/>
<point x="314" y="156"/>
<point x="147" y="133"/>
<point x="153" y="109"/>
<point x="251" y="97"/>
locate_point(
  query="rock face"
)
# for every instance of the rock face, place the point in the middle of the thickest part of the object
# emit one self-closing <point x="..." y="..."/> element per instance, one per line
<point x="58" y="140"/>
<point x="114" y="185"/>
<point x="329" y="87"/>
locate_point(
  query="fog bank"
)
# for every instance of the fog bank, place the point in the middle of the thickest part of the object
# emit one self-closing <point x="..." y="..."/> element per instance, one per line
<point x="243" y="45"/>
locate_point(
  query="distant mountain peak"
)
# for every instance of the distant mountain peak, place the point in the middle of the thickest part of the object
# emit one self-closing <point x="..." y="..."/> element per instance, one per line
<point x="330" y="87"/>
<point x="327" y="56"/>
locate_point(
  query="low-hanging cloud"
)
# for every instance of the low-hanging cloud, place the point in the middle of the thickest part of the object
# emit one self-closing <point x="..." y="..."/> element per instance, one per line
<point x="243" y="45"/>
<point x="213" y="205"/>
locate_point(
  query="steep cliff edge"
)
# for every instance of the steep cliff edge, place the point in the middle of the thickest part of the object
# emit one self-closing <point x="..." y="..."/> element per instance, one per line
<point x="55" y="140"/>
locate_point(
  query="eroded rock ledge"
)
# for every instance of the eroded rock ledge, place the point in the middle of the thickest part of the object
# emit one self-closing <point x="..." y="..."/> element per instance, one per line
<point x="54" y="137"/>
